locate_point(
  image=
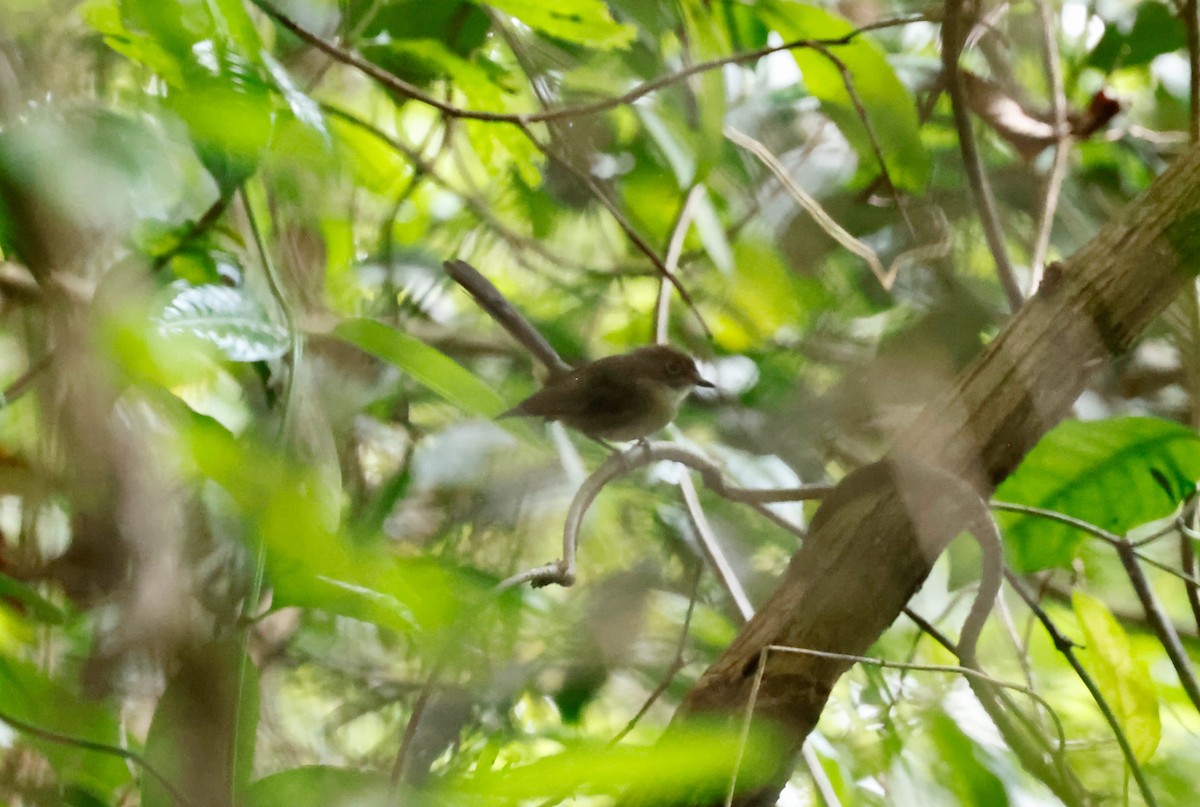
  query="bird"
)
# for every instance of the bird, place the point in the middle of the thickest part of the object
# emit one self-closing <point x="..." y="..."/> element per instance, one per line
<point x="618" y="398"/>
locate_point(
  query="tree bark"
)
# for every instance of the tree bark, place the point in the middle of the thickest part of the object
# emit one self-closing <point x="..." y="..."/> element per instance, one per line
<point x="875" y="539"/>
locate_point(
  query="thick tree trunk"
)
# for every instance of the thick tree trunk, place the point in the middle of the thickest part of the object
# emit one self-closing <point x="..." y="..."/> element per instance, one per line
<point x="874" y="540"/>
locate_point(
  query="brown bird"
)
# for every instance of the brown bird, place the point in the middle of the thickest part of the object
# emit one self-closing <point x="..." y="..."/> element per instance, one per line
<point x="623" y="397"/>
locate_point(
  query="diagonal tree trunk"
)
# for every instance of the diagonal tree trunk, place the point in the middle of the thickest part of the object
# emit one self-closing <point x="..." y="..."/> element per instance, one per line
<point x="875" y="539"/>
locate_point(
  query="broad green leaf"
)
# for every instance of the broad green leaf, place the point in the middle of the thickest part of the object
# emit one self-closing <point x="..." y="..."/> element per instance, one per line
<point x="1123" y="678"/>
<point x="1115" y="474"/>
<point x="426" y="366"/>
<point x="27" y="694"/>
<point x="226" y="317"/>
<point x="889" y="105"/>
<point x="585" y="22"/>
<point x="202" y="736"/>
<point x="321" y="786"/>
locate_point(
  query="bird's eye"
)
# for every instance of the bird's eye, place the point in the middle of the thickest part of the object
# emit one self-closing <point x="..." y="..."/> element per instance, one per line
<point x="677" y="368"/>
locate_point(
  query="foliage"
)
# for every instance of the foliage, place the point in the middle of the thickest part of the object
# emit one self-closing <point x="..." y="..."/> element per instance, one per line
<point x="256" y="506"/>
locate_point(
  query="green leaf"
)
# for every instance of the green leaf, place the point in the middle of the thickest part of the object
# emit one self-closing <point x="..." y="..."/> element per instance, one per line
<point x="694" y="767"/>
<point x="27" y="694"/>
<point x="202" y="736"/>
<point x="1115" y="474"/>
<point x="1123" y="678"/>
<point x="42" y="609"/>
<point x="961" y="763"/>
<point x="889" y="105"/>
<point x="1133" y="42"/>
<point x="310" y="563"/>
<point x="226" y="317"/>
<point x="321" y="786"/>
<point x="585" y="22"/>
<point x="424" y="364"/>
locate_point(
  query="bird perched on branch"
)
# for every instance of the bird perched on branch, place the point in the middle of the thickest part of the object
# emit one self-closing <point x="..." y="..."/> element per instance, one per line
<point x="623" y="397"/>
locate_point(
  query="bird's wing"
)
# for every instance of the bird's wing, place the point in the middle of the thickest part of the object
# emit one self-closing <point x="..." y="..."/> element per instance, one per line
<point x="609" y="399"/>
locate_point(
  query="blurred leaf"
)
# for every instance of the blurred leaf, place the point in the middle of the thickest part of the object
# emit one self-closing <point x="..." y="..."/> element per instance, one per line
<point x="28" y="694"/>
<point x="889" y="105"/>
<point x="309" y="563"/>
<point x="1075" y="470"/>
<point x="959" y="765"/>
<point x="230" y="113"/>
<point x="712" y="233"/>
<point x="695" y="762"/>
<point x="303" y="108"/>
<point x="1151" y="30"/>
<point x="763" y="297"/>
<point x="203" y="733"/>
<point x="459" y="25"/>
<point x="42" y="609"/>
<point x="228" y="318"/>
<point x="426" y="365"/>
<point x="585" y="22"/>
<point x="1123" y="678"/>
<point x="321" y="786"/>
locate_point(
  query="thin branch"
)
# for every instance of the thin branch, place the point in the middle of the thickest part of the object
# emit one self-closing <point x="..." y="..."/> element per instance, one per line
<point x="812" y="206"/>
<point x="1104" y="535"/>
<point x="24" y="382"/>
<point x="1187" y="555"/>
<point x="1030" y="745"/>
<point x="712" y="549"/>
<point x="952" y="44"/>
<point x="1191" y="21"/>
<point x="562" y="571"/>
<point x="1062" y="146"/>
<point x="673" y="668"/>
<point x="622" y="221"/>
<point x="860" y="109"/>
<point x="476" y="205"/>
<point x="401" y="87"/>
<point x="662" y="306"/>
<point x="1160" y="623"/>
<point x="101" y="748"/>
<point x="1067" y="648"/>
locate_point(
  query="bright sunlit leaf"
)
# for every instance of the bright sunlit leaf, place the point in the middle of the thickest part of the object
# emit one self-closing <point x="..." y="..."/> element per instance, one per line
<point x="1123" y="678"/>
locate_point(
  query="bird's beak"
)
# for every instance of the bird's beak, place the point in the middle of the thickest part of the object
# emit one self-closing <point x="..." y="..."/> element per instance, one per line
<point x="704" y="382"/>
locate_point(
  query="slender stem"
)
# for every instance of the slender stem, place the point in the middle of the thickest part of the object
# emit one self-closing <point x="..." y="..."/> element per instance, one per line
<point x="408" y="90"/>
<point x="58" y="738"/>
<point x="952" y="44"/>
<point x="621" y="219"/>
<point x="676" y="664"/>
<point x="1062" y="146"/>
<point x="1159" y="623"/>
<point x="1067" y="648"/>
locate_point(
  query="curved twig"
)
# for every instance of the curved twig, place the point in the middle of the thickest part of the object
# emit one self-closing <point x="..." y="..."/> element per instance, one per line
<point x="100" y="748"/>
<point x="952" y="44"/>
<point x="562" y="572"/>
<point x="408" y="90"/>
